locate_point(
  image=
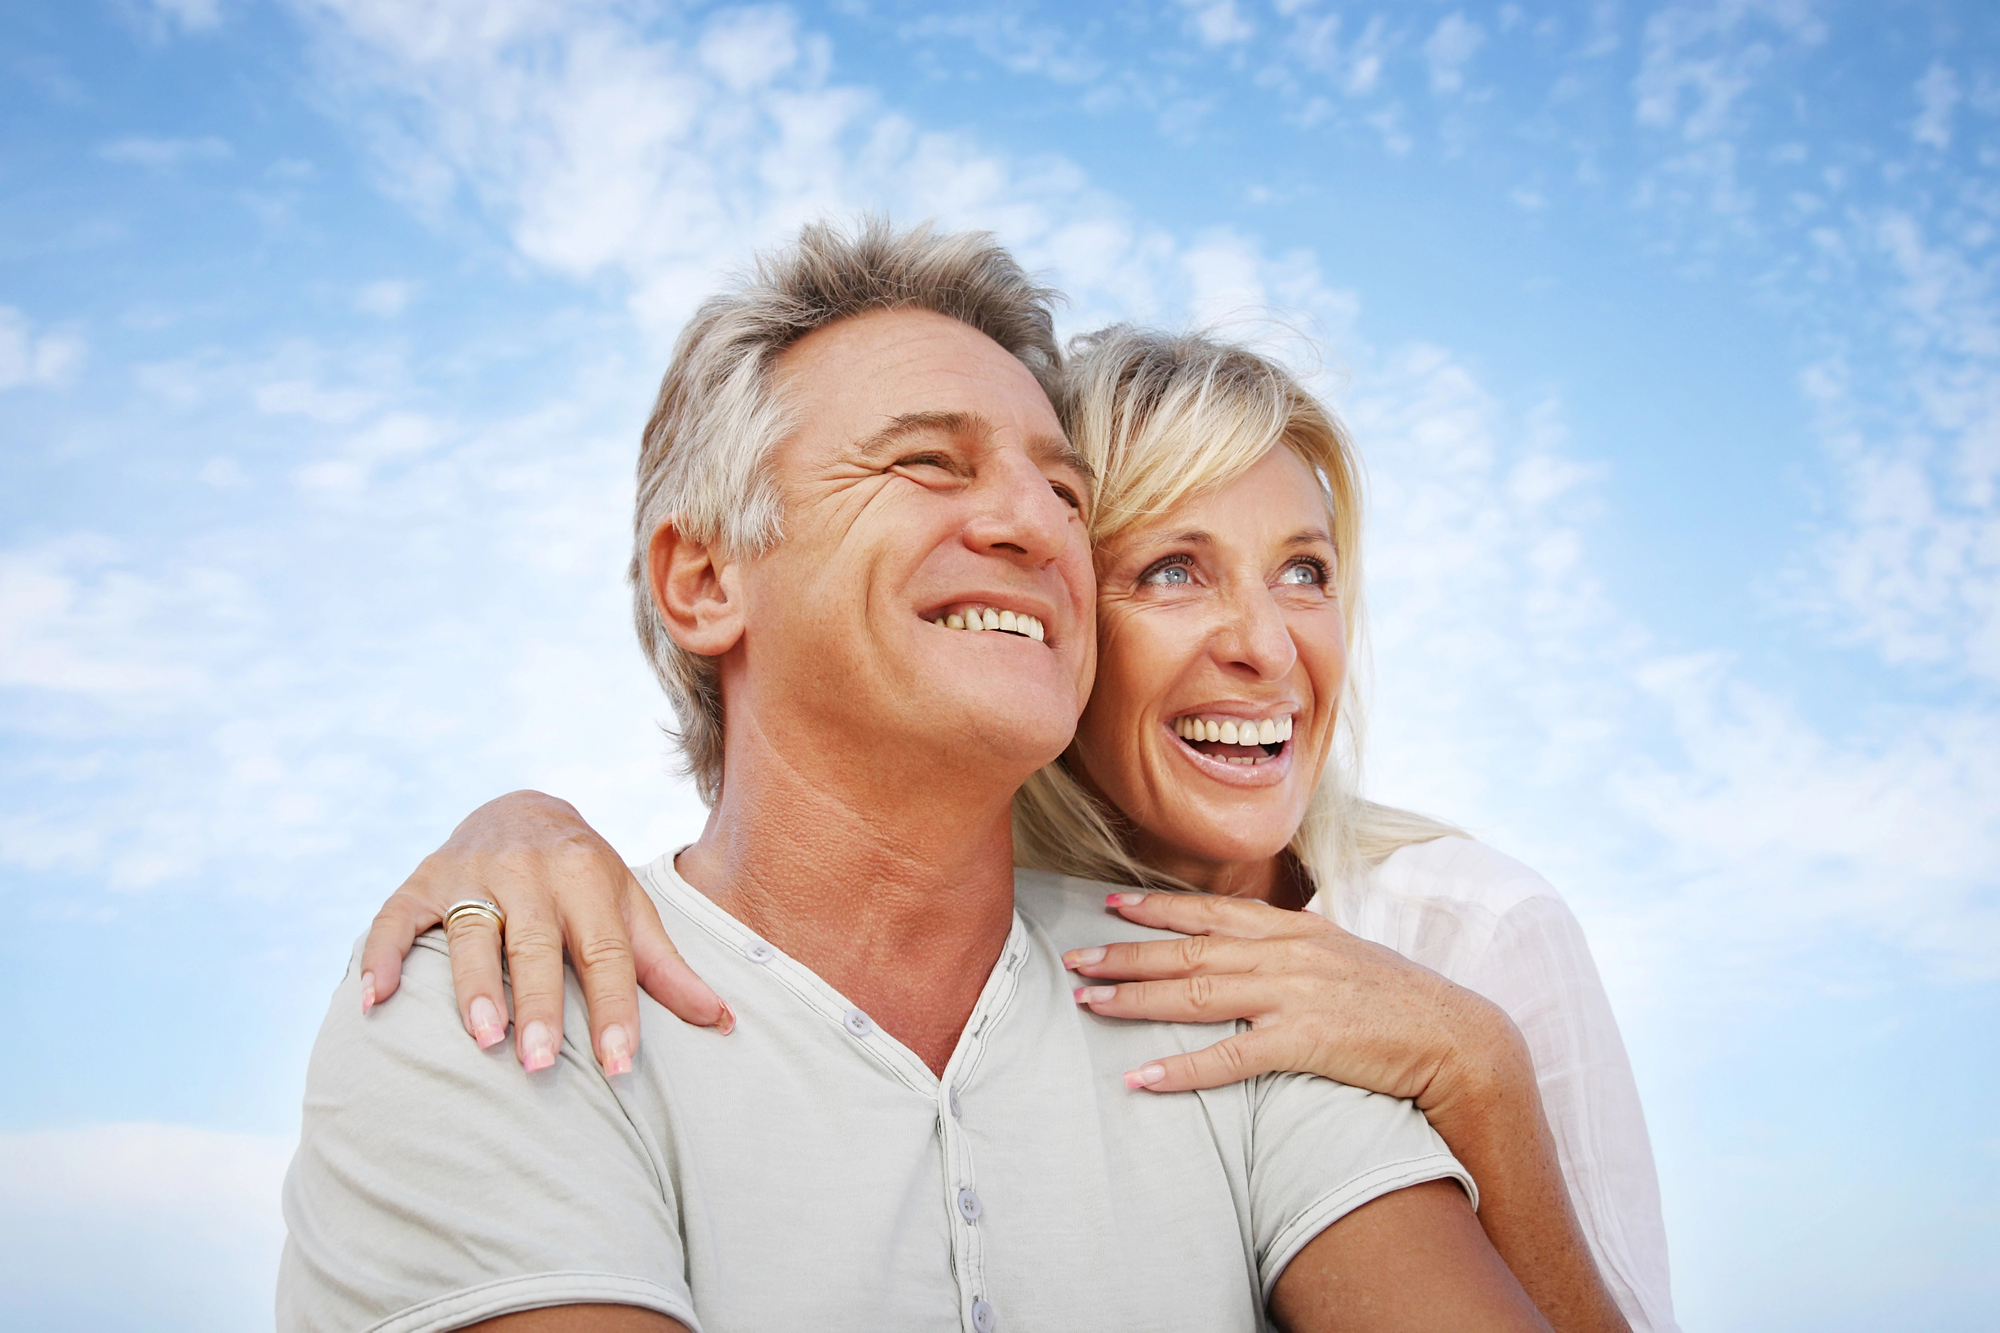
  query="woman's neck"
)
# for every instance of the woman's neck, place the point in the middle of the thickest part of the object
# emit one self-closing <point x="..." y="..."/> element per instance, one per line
<point x="1278" y="880"/>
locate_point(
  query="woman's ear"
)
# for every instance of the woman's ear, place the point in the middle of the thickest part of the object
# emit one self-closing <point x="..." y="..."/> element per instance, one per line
<point x="695" y="592"/>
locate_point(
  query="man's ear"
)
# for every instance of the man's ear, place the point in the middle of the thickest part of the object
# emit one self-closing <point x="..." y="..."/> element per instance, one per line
<point x="696" y="592"/>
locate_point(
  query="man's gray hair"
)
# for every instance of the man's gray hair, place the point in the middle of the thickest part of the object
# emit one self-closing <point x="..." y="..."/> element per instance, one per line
<point x="704" y="464"/>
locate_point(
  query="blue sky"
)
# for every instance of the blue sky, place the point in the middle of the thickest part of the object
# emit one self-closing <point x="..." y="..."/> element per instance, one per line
<point x="1669" y="332"/>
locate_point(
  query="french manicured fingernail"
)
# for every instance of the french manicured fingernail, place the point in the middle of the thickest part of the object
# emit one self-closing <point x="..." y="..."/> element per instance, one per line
<point x="1124" y="899"/>
<point x="367" y="991"/>
<point x="727" y="1023"/>
<point x="617" y="1048"/>
<point x="486" y="1025"/>
<point x="1145" y="1076"/>
<point x="538" y="1050"/>
<point x="1095" y="994"/>
<point x="1084" y="957"/>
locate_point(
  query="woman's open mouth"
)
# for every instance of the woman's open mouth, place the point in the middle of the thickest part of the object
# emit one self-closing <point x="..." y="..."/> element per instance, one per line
<point x="1242" y="741"/>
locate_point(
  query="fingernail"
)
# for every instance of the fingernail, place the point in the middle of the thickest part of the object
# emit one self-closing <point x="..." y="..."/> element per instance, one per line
<point x="1145" y="1076"/>
<point x="1095" y="994"/>
<point x="538" y="1050"/>
<point x="617" y="1049"/>
<point x="727" y="1023"/>
<point x="1124" y="899"/>
<point x="367" y="991"/>
<point x="1084" y="957"/>
<point x="486" y="1025"/>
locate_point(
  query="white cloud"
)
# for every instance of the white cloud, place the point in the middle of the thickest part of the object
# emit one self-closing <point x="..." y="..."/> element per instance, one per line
<point x="1448" y="50"/>
<point x="100" y="1222"/>
<point x="748" y="48"/>
<point x="74" y="620"/>
<point x="1937" y="96"/>
<point x="385" y="298"/>
<point x="1219" y="22"/>
<point x="1008" y="38"/>
<point x="31" y="359"/>
<point x="156" y="154"/>
<point x="1913" y="556"/>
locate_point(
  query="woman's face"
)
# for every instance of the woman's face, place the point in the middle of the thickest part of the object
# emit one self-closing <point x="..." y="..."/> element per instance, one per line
<point x="1221" y="616"/>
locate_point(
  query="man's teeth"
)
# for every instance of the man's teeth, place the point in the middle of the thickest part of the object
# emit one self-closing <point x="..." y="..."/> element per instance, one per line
<point x="1012" y="622"/>
<point x="1234" y="730"/>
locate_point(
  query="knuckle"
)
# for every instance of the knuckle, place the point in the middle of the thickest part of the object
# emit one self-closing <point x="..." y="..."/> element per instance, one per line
<point x="604" y="951"/>
<point x="1200" y="992"/>
<point x="1192" y="949"/>
<point x="1233" y="1058"/>
<point x="532" y="942"/>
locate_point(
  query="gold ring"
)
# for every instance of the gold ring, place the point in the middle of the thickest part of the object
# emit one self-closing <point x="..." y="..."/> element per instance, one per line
<point x="474" y="907"/>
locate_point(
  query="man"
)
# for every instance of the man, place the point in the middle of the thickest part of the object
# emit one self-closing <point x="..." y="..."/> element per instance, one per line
<point x="911" y="1125"/>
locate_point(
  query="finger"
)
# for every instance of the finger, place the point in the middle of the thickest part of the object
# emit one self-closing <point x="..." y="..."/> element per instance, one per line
<point x="535" y="973"/>
<point x="475" y="977"/>
<point x="406" y="915"/>
<point x="664" y="974"/>
<point x="1190" y="955"/>
<point x="1231" y="1060"/>
<point x="1222" y="999"/>
<point x="1206" y="914"/>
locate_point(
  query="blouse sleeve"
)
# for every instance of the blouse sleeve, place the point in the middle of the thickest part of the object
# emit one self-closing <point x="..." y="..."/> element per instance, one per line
<point x="1538" y="968"/>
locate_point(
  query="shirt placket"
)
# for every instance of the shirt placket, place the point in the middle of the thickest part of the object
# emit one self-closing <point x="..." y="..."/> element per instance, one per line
<point x="965" y="1209"/>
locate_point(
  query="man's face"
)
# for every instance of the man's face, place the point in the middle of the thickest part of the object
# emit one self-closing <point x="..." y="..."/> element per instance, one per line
<point x="927" y="479"/>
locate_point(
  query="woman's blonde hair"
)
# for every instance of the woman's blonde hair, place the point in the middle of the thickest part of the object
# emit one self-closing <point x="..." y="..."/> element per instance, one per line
<point x="1164" y="417"/>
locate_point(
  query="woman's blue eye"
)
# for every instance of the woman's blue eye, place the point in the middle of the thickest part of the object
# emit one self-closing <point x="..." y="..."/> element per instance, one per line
<point x="1302" y="573"/>
<point x="1169" y="576"/>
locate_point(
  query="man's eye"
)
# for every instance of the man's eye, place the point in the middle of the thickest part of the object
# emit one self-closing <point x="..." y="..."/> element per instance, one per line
<point x="924" y="460"/>
<point x="1168" y="576"/>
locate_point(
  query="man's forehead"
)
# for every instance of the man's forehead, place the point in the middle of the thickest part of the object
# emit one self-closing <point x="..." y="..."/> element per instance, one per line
<point x="877" y="378"/>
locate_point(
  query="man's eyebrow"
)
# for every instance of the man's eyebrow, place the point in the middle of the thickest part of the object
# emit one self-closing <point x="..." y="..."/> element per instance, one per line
<point x="1056" y="449"/>
<point x="1043" y="449"/>
<point x="901" y="427"/>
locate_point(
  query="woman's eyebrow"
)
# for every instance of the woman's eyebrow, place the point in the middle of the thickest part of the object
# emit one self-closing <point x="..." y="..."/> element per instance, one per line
<point x="1310" y="537"/>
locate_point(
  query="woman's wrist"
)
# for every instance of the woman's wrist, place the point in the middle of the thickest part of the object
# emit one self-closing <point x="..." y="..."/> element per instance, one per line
<point x="1487" y="1076"/>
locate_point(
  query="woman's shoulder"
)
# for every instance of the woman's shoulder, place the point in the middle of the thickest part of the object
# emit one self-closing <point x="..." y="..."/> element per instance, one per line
<point x="1463" y="870"/>
<point x="1444" y="897"/>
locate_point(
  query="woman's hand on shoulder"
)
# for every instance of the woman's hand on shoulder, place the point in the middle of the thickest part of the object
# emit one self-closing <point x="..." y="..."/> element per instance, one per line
<point x="560" y="886"/>
<point x="1318" y="1000"/>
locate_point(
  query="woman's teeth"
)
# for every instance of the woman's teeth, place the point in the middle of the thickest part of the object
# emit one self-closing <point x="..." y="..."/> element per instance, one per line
<point x="1007" y="622"/>
<point x="1269" y="731"/>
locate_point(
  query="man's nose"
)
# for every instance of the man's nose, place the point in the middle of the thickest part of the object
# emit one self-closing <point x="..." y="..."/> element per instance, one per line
<point x="1018" y="513"/>
<point x="1253" y="635"/>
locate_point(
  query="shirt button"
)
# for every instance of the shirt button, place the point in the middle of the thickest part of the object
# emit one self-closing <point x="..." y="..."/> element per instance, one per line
<point x="968" y="1205"/>
<point x="982" y="1317"/>
<point x="859" y="1023"/>
<point x="759" y="952"/>
<point x="955" y="1112"/>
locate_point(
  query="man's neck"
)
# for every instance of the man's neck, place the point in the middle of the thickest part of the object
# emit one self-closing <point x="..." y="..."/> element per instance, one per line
<point x="900" y="896"/>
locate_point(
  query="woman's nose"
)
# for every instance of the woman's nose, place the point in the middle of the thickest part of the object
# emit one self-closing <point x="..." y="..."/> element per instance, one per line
<point x="1254" y="636"/>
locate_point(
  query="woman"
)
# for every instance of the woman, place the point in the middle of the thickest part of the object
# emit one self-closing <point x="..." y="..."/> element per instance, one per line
<point x="1218" y="753"/>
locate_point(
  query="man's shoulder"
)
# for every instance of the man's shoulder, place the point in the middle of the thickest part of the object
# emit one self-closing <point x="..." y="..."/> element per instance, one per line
<point x="1071" y="912"/>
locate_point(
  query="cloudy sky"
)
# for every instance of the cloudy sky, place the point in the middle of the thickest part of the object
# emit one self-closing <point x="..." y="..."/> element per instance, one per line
<point x="1669" y="331"/>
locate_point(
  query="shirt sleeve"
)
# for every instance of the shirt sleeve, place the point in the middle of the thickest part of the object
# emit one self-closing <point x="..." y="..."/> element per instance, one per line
<point x="436" y="1184"/>
<point x="1538" y="968"/>
<point x="1321" y="1149"/>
